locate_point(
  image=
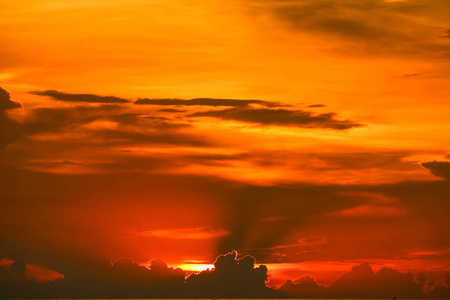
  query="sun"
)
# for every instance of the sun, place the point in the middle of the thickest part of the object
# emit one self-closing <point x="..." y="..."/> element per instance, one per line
<point x="192" y="267"/>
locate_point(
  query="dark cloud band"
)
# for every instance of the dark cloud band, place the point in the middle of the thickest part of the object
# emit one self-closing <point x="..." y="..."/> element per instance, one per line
<point x="282" y="117"/>
<point x="86" y="98"/>
<point x="204" y="102"/>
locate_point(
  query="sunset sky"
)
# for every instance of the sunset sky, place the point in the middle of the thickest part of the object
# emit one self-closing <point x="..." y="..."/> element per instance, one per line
<point x="312" y="135"/>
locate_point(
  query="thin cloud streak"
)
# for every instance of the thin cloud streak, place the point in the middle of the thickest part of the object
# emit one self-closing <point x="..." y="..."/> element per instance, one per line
<point x="83" y="98"/>
<point x="281" y="117"/>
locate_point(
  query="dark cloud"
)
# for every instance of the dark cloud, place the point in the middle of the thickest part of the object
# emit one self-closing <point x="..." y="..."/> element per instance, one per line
<point x="18" y="267"/>
<point x="305" y="287"/>
<point x="204" y="102"/>
<point x="141" y="121"/>
<point x="356" y="24"/>
<point x="387" y="283"/>
<point x="41" y="120"/>
<point x="316" y="105"/>
<point x="440" y="291"/>
<point x="438" y="168"/>
<point x="87" y="98"/>
<point x="360" y="283"/>
<point x="133" y="128"/>
<point x="446" y="34"/>
<point x="10" y="130"/>
<point x="123" y="279"/>
<point x="15" y="285"/>
<point x="231" y="278"/>
<point x="281" y="117"/>
<point x="6" y="102"/>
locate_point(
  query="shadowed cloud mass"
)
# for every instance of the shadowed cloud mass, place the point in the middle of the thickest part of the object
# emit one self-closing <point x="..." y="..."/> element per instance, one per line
<point x="6" y="102"/>
<point x="86" y="98"/>
<point x="358" y="23"/>
<point x="204" y="102"/>
<point x="438" y="168"/>
<point x="281" y="117"/>
<point x="230" y="278"/>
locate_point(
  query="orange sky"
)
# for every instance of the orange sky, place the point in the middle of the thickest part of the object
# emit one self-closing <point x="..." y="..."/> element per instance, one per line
<point x="321" y="167"/>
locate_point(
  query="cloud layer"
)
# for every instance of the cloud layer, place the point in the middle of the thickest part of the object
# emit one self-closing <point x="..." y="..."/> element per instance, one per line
<point x="281" y="117"/>
<point x="6" y="102"/>
<point x="438" y="168"/>
<point x="84" y="98"/>
<point x="203" y="102"/>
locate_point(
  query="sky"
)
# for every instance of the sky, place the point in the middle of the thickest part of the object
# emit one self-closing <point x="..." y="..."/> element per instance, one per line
<point x="310" y="135"/>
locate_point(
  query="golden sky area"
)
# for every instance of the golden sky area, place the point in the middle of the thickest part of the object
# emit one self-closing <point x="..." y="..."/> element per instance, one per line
<point x="312" y="135"/>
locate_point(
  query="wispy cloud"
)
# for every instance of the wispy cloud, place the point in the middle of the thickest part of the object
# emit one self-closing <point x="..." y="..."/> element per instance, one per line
<point x="281" y="117"/>
<point x="86" y="98"/>
<point x="204" y="102"/>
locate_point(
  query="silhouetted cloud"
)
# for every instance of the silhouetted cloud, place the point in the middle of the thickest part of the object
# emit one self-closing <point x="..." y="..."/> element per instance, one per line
<point x="230" y="278"/>
<point x="440" y="291"/>
<point x="87" y="98"/>
<point x="53" y="119"/>
<point x="204" y="102"/>
<point x="10" y="130"/>
<point x="363" y="282"/>
<point x="446" y="34"/>
<point x="123" y="279"/>
<point x="6" y="102"/>
<point x="438" y="168"/>
<point x="134" y="127"/>
<point x="305" y="287"/>
<point x="354" y="24"/>
<point x="14" y="284"/>
<point x="282" y="117"/>
<point x="316" y="105"/>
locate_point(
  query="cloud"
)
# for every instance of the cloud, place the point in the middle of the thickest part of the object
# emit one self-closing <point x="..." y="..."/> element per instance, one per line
<point x="408" y="27"/>
<point x="6" y="102"/>
<point x="305" y="287"/>
<point x="438" y="168"/>
<point x="230" y="278"/>
<point x="316" y="105"/>
<point x="121" y="280"/>
<point x="203" y="102"/>
<point x="281" y="117"/>
<point x="446" y="34"/>
<point x="387" y="283"/>
<point x="109" y="124"/>
<point x="15" y="284"/>
<point x="10" y="130"/>
<point x="86" y="98"/>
